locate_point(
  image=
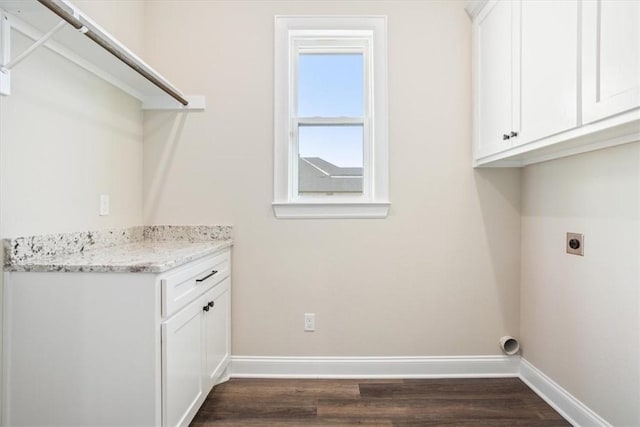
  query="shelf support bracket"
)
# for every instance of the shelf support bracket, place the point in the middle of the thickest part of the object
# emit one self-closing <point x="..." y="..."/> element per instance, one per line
<point x="34" y="46"/>
<point x="5" y="54"/>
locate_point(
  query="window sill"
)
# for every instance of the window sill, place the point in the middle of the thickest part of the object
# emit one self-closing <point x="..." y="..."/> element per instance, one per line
<point x="331" y="210"/>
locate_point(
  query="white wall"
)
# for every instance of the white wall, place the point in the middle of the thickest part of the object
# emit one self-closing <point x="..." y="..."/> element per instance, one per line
<point x="580" y="315"/>
<point x="439" y="276"/>
<point x="125" y="20"/>
<point x="66" y="137"/>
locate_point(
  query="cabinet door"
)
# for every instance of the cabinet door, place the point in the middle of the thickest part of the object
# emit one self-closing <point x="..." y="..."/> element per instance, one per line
<point x="492" y="81"/>
<point x="182" y="349"/>
<point x="610" y="58"/>
<point x="217" y="331"/>
<point x="548" y="68"/>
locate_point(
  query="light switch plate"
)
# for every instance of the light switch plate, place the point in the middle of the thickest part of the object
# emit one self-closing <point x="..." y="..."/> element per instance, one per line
<point x="309" y="322"/>
<point x="575" y="244"/>
<point x="104" y="204"/>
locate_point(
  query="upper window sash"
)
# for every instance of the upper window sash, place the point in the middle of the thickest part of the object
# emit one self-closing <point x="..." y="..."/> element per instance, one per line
<point x="337" y="43"/>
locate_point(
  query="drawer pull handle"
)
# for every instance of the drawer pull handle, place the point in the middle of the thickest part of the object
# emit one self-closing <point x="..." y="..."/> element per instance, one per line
<point x="211" y="304"/>
<point x="205" y="308"/>
<point x="207" y="276"/>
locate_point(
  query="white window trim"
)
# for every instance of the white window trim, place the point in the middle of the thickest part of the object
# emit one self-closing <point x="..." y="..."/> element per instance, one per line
<point x="374" y="203"/>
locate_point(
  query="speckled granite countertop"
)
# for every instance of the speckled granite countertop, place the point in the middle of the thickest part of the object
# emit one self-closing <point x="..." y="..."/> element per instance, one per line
<point x="136" y="250"/>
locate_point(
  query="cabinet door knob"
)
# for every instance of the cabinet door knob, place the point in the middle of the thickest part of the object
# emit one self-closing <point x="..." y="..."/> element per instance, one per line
<point x="205" y="308"/>
<point x="211" y="304"/>
<point x="505" y="137"/>
<point x="514" y="134"/>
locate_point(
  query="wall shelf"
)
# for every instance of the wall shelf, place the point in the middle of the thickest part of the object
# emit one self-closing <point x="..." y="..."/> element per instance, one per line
<point x="34" y="20"/>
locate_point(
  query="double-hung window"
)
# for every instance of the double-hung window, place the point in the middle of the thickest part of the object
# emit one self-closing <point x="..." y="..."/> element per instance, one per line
<point x="331" y="150"/>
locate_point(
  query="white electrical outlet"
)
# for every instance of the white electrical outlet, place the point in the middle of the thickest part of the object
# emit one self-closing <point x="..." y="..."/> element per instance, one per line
<point x="104" y="204"/>
<point x="309" y="322"/>
<point x="575" y="244"/>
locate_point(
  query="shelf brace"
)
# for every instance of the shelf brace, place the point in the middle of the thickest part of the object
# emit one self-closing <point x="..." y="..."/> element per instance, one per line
<point x="114" y="50"/>
<point x="5" y="51"/>
<point x="34" y="46"/>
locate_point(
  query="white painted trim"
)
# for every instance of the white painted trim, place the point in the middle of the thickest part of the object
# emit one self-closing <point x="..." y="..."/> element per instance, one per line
<point x="376" y="192"/>
<point x="329" y="121"/>
<point x="573" y="410"/>
<point x="499" y="164"/>
<point x="616" y="130"/>
<point x="585" y="148"/>
<point x="375" y="367"/>
<point x="330" y="210"/>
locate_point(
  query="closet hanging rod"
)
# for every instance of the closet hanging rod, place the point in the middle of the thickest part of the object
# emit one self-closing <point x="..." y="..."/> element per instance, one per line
<point x="78" y="25"/>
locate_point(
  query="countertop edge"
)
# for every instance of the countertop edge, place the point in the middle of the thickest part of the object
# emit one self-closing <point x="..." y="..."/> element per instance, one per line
<point x="41" y="266"/>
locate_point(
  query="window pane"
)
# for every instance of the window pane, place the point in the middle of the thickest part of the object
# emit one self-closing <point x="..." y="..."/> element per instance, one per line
<point x="330" y="85"/>
<point x="330" y="159"/>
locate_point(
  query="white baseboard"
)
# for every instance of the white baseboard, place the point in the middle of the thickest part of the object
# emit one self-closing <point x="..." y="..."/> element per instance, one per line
<point x="375" y="367"/>
<point x="561" y="400"/>
<point x="574" y="411"/>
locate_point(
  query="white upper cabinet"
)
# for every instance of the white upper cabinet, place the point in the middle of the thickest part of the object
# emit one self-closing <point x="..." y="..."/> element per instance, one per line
<point x="493" y="63"/>
<point x="526" y="72"/>
<point x="610" y="58"/>
<point x="553" y="78"/>
<point x="548" y="68"/>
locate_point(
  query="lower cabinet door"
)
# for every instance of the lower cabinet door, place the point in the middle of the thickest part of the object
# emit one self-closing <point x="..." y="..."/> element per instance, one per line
<point x="182" y="350"/>
<point x="217" y="331"/>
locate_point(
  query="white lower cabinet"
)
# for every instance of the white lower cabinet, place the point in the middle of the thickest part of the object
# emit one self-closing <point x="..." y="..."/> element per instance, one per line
<point x="217" y="332"/>
<point x="182" y="351"/>
<point x="195" y="349"/>
<point x="115" y="349"/>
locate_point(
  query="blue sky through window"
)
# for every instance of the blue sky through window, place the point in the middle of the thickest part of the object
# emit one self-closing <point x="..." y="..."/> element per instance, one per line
<point x="331" y="85"/>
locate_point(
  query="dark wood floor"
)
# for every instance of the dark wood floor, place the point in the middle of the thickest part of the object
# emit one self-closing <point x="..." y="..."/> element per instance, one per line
<point x="432" y="402"/>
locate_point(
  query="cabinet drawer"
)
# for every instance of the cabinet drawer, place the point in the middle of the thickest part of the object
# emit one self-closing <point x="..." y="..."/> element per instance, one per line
<point x="182" y="287"/>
